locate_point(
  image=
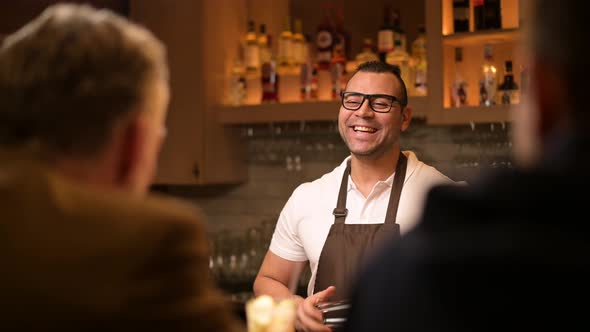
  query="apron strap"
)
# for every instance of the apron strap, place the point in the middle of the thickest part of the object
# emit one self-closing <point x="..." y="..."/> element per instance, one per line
<point x="396" y="190"/>
<point x="340" y="212"/>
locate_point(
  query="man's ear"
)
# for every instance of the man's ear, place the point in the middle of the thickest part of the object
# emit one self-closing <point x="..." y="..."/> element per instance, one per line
<point x="131" y="150"/>
<point x="406" y="117"/>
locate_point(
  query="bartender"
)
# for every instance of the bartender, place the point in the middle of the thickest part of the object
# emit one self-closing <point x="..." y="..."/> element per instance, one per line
<point x="376" y="193"/>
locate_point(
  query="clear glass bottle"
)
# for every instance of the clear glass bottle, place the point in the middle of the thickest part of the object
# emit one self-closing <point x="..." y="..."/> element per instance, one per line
<point x="401" y="58"/>
<point x="237" y="89"/>
<point x="488" y="83"/>
<point x="367" y="53"/>
<point x="298" y="43"/>
<point x="420" y="63"/>
<point x="251" y="50"/>
<point x="285" y="49"/>
<point x="306" y="71"/>
<point x="459" y="86"/>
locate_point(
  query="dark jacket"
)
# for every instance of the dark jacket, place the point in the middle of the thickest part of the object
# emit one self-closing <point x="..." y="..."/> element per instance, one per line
<point x="512" y="251"/>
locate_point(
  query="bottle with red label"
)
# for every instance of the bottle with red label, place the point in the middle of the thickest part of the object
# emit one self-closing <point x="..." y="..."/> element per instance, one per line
<point x="325" y="40"/>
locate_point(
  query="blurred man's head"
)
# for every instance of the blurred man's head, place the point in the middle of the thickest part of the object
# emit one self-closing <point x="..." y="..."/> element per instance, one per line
<point x="88" y="90"/>
<point x="559" y="74"/>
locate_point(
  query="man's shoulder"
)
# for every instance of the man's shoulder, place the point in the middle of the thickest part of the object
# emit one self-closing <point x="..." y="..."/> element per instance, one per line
<point x="122" y="207"/>
<point x="419" y="170"/>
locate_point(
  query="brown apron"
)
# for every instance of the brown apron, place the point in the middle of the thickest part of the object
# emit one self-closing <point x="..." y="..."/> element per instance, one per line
<point x="347" y="244"/>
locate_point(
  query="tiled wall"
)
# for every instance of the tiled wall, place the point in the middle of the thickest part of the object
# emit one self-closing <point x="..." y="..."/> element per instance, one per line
<point x="284" y="156"/>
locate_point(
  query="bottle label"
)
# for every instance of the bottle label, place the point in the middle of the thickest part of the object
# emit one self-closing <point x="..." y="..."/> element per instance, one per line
<point x="252" y="56"/>
<point x="324" y="57"/>
<point x="510" y="97"/>
<point x="385" y="40"/>
<point x="324" y="40"/>
<point x="285" y="51"/>
<point x="269" y="78"/>
<point x="487" y="90"/>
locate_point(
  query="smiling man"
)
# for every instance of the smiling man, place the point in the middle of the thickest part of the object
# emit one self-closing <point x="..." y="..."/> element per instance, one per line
<point x="376" y="193"/>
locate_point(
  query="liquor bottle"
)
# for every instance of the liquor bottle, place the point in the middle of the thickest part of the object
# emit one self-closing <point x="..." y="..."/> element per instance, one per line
<point x="460" y="15"/>
<point x="270" y="84"/>
<point x="479" y="15"/>
<point x="419" y="63"/>
<point x="398" y="32"/>
<point x="237" y="90"/>
<point x="285" y="49"/>
<point x="493" y="14"/>
<point x="325" y="40"/>
<point x="342" y="36"/>
<point x="487" y="14"/>
<point x="489" y="81"/>
<point x="367" y="54"/>
<point x="306" y="72"/>
<point x="338" y="69"/>
<point x="385" y="35"/>
<point x="400" y="58"/>
<point x="509" y="92"/>
<point x="298" y="44"/>
<point x="262" y="41"/>
<point x="459" y="86"/>
<point x="251" y="50"/>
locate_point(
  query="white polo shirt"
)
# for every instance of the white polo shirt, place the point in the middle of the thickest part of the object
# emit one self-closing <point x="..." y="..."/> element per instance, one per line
<point x="306" y="218"/>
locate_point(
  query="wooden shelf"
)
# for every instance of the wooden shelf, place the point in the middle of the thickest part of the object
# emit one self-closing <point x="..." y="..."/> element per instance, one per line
<point x="476" y="114"/>
<point x="293" y="112"/>
<point x="482" y="37"/>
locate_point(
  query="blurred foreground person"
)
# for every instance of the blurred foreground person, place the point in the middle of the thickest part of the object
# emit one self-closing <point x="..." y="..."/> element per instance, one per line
<point x="83" y="99"/>
<point x="512" y="251"/>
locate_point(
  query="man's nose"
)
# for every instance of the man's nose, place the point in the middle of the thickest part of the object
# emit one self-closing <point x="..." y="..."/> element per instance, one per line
<point x="365" y="110"/>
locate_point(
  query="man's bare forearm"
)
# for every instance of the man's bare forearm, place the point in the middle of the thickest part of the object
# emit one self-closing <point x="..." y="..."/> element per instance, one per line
<point x="269" y="286"/>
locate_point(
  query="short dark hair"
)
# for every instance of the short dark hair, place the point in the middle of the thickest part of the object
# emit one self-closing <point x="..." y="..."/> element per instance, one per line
<point x="383" y="67"/>
<point x="66" y="76"/>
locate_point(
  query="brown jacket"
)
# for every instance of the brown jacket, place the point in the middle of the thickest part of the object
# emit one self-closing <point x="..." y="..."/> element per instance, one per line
<point x="75" y="258"/>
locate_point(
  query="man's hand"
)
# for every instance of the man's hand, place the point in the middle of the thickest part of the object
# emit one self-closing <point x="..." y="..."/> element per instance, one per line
<point x="309" y="317"/>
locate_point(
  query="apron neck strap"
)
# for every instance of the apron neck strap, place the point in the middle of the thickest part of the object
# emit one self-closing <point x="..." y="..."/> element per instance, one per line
<point x="396" y="188"/>
<point x="340" y="212"/>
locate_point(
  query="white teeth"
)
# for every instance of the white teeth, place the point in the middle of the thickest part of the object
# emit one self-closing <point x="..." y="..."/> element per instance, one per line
<point x="364" y="129"/>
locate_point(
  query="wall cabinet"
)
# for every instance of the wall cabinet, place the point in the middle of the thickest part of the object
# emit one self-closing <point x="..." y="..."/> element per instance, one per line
<point x="442" y="41"/>
<point x="361" y="18"/>
<point x="198" y="149"/>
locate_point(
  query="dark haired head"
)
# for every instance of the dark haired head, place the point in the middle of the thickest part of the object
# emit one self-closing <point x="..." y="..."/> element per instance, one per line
<point x="380" y="67"/>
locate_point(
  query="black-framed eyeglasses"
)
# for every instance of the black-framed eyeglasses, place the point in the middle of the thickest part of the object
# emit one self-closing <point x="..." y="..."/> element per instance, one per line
<point x="379" y="103"/>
